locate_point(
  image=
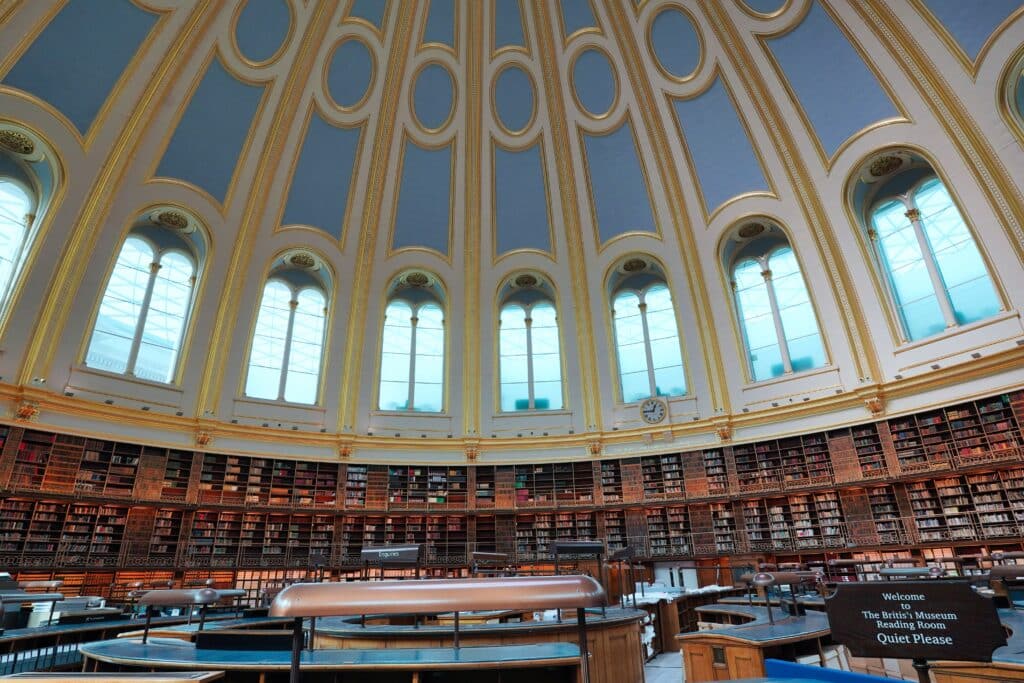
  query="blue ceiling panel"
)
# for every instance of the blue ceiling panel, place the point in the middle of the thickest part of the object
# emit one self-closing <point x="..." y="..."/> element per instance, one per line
<point x="725" y="162"/>
<point x="576" y="15"/>
<point x="433" y="96"/>
<point x="676" y="43"/>
<point x="79" y="56"/>
<point x="209" y="138"/>
<point x="765" y="6"/>
<point x="971" y="22"/>
<point x="424" y="198"/>
<point x="837" y="90"/>
<point x="262" y="27"/>
<point x="618" y="184"/>
<point x="594" y="82"/>
<point x="520" y="200"/>
<point x="508" y="23"/>
<point x="513" y="98"/>
<point x="322" y="182"/>
<point x="440" y="26"/>
<point x="370" y="10"/>
<point x="349" y="73"/>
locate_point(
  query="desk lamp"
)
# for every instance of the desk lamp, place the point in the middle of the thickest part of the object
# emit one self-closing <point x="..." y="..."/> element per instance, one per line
<point x="766" y="581"/>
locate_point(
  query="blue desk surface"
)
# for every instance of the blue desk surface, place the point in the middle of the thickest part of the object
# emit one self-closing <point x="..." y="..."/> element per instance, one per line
<point x="174" y="653"/>
<point x="1013" y="651"/>
<point x="759" y="630"/>
<point x="13" y="634"/>
<point x="349" y="626"/>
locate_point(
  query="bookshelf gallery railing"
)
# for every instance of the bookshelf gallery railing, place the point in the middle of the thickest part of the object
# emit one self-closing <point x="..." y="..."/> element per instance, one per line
<point x="946" y="477"/>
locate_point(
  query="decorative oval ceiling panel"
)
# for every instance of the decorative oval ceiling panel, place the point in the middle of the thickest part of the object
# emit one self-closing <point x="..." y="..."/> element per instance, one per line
<point x="676" y="43"/>
<point x="594" y="82"/>
<point x="513" y="99"/>
<point x="433" y="97"/>
<point x="262" y="28"/>
<point x="350" y="73"/>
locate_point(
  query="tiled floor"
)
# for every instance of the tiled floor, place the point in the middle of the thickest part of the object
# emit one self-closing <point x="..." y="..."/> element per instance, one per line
<point x="666" y="668"/>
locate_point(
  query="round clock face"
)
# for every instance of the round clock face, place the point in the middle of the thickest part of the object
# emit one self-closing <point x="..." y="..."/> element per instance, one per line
<point x="653" y="410"/>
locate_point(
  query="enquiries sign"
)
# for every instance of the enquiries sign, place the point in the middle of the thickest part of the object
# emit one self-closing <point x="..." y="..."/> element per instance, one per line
<point x="915" y="620"/>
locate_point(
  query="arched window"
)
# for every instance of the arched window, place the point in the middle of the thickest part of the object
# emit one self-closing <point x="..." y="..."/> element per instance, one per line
<point x="646" y="336"/>
<point x="779" y="328"/>
<point x="934" y="271"/>
<point x="530" y="358"/>
<point x="15" y="219"/>
<point x="288" y="340"/>
<point x="412" y="359"/>
<point x="142" y="315"/>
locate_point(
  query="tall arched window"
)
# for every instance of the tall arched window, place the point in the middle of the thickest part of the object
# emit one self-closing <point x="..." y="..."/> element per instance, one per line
<point x="646" y="336"/>
<point x="412" y="347"/>
<point x="779" y="328"/>
<point x="143" y="312"/>
<point x="934" y="271"/>
<point x="15" y="220"/>
<point x="287" y="345"/>
<point x="530" y="359"/>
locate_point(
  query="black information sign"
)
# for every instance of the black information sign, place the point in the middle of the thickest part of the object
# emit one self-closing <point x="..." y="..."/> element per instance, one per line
<point x="915" y="620"/>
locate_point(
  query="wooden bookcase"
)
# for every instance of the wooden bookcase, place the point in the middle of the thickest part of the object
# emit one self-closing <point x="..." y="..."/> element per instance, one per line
<point x="950" y="478"/>
<point x="355" y="486"/>
<point x="611" y="481"/>
<point x="177" y="474"/>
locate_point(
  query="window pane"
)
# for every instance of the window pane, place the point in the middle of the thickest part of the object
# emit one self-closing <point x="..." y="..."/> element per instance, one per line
<point x="904" y="263"/>
<point x="635" y="386"/>
<point x="307" y="347"/>
<point x="118" y="317"/>
<point x="515" y="396"/>
<point x="165" y="320"/>
<point x="428" y="390"/>
<point x="547" y="395"/>
<point x="267" y="356"/>
<point x="799" y="323"/>
<point x="512" y="361"/>
<point x="395" y="360"/>
<point x="963" y="271"/>
<point x="394" y="395"/>
<point x="14" y="205"/>
<point x="755" y="313"/>
<point x="547" y="363"/>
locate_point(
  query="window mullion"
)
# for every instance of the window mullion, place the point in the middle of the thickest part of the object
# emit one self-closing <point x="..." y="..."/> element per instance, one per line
<point x="140" y="324"/>
<point x="890" y="288"/>
<point x="529" y="362"/>
<point x="933" y="269"/>
<point x="283" y="379"/>
<point x="647" y="349"/>
<point x="412" y="365"/>
<point x="780" y="333"/>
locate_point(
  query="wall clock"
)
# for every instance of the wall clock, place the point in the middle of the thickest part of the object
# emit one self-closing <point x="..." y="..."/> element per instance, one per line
<point x="653" y="410"/>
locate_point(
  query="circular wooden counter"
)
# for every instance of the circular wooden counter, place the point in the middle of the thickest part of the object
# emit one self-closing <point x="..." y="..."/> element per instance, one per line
<point x="614" y="639"/>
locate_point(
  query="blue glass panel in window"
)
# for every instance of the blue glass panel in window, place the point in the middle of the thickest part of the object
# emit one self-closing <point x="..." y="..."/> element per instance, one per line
<point x="428" y="392"/>
<point x="629" y="341"/>
<point x="799" y="324"/>
<point x="118" y="318"/>
<point x="267" y="356"/>
<point x="636" y="386"/>
<point x="14" y="205"/>
<point x="904" y="264"/>
<point x="669" y="379"/>
<point x="165" y="320"/>
<point x="307" y="347"/>
<point x="396" y="344"/>
<point x="547" y="363"/>
<point x="963" y="271"/>
<point x="755" y="313"/>
<point x="515" y="391"/>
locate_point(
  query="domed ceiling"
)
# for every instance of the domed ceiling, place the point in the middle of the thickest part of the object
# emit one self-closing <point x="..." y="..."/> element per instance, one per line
<point x="473" y="141"/>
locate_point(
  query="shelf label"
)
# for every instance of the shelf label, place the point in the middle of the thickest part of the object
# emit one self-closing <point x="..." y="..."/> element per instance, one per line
<point x="915" y="620"/>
